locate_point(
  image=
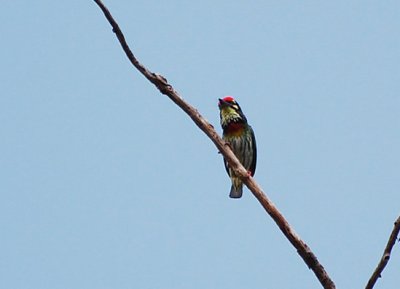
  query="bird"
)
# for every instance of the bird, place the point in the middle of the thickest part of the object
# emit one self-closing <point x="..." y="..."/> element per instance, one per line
<point x="240" y="137"/>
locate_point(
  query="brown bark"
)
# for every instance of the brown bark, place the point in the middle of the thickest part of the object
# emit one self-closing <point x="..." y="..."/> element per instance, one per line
<point x="161" y="83"/>
<point x="302" y="249"/>
<point x="386" y="255"/>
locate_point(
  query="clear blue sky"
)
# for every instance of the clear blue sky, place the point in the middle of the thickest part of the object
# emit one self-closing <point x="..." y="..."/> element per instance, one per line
<point x="105" y="183"/>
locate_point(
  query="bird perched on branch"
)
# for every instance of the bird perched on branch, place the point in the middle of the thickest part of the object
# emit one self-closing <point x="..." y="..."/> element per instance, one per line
<point x="240" y="136"/>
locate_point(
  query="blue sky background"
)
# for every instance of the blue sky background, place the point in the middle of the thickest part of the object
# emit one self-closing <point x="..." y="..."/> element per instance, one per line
<point x="105" y="183"/>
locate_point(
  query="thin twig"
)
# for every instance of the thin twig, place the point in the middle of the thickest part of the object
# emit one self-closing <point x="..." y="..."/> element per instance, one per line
<point x="161" y="83"/>
<point x="386" y="255"/>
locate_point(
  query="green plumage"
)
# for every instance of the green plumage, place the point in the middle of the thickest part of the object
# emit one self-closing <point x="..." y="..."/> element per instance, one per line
<point x="240" y="136"/>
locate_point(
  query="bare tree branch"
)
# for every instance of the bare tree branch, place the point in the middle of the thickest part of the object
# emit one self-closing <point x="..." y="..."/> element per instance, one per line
<point x="386" y="255"/>
<point x="161" y="83"/>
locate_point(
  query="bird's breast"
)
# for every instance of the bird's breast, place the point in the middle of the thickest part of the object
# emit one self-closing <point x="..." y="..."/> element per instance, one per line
<point x="234" y="129"/>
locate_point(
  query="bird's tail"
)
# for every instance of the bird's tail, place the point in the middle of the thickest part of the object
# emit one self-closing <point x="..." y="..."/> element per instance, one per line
<point x="236" y="189"/>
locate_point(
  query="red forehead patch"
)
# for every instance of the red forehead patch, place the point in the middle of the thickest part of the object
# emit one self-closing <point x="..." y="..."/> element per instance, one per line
<point x="228" y="98"/>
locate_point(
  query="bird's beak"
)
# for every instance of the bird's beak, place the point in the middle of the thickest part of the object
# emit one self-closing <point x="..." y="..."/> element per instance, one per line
<point x="222" y="103"/>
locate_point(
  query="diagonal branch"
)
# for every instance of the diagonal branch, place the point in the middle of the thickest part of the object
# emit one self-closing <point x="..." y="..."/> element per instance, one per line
<point x="161" y="83"/>
<point x="386" y="255"/>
